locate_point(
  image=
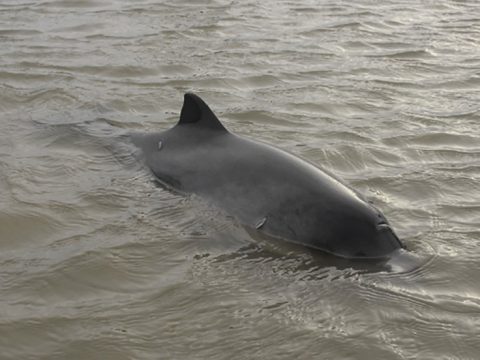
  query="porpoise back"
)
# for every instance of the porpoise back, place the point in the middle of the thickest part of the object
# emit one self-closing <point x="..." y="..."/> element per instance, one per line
<point x="265" y="188"/>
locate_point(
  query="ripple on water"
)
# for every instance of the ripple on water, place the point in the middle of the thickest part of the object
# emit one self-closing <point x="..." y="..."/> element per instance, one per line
<point x="97" y="261"/>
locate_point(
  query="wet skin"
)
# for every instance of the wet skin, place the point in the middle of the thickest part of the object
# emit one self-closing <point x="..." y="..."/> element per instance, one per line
<point x="265" y="188"/>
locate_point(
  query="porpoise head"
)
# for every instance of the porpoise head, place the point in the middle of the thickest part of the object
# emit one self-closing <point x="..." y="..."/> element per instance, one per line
<point x="337" y="223"/>
<point x="356" y="231"/>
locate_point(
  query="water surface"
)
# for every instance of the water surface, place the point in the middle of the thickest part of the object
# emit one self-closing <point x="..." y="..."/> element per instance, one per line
<point x="98" y="262"/>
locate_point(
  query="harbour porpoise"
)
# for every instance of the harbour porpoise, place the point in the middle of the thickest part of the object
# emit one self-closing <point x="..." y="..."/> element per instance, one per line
<point x="265" y="188"/>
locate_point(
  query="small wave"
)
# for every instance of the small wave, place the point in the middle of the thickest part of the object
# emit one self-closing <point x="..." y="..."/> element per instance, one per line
<point x="406" y="54"/>
<point x="439" y="140"/>
<point x="18" y="32"/>
<point x="20" y="229"/>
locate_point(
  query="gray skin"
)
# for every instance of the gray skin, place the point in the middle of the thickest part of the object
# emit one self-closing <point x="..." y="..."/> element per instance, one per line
<point x="265" y="188"/>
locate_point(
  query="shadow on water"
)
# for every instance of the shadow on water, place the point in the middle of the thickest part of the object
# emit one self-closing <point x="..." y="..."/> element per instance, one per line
<point x="307" y="259"/>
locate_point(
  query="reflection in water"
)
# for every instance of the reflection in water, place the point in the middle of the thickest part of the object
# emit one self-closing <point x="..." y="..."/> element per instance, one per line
<point x="310" y="260"/>
<point x="98" y="262"/>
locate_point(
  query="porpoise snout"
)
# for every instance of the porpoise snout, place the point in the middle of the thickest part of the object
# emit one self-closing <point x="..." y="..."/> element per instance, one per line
<point x="387" y="233"/>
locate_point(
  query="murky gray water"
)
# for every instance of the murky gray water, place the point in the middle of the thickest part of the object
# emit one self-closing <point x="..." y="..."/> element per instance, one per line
<point x="97" y="262"/>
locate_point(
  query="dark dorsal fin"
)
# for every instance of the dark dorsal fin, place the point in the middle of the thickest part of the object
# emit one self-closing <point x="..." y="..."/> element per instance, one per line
<point x="195" y="111"/>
